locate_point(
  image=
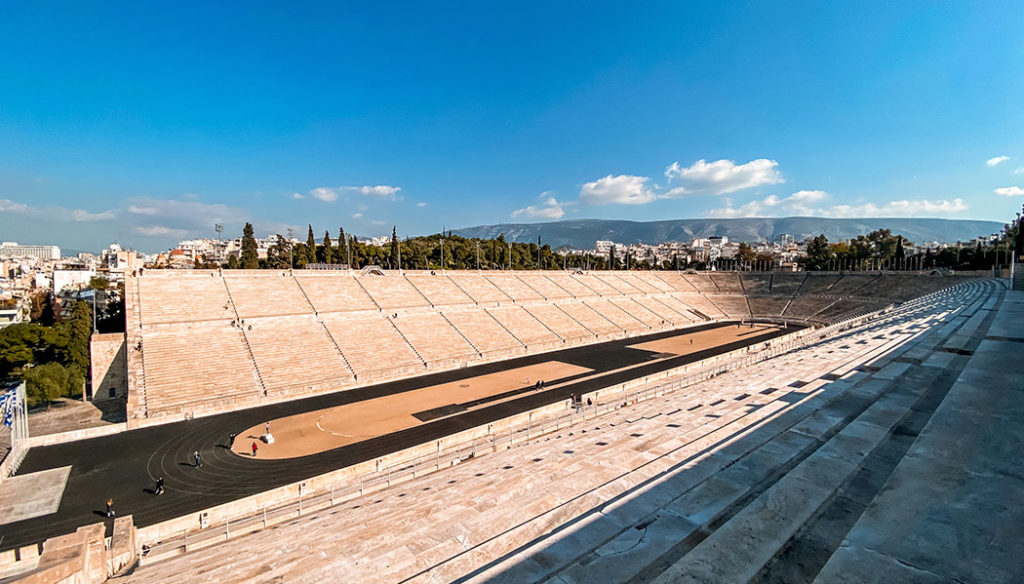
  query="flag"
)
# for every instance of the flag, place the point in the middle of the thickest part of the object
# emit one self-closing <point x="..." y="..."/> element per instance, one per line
<point x="8" y="401"/>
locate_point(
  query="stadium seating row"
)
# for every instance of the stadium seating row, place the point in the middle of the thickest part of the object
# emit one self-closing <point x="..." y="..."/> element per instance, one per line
<point x="279" y="333"/>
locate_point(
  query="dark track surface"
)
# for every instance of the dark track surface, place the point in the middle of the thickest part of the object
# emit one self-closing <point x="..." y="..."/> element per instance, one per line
<point x="124" y="466"/>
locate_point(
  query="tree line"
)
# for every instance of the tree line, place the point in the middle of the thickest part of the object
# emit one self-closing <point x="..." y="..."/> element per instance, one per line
<point x="51" y="353"/>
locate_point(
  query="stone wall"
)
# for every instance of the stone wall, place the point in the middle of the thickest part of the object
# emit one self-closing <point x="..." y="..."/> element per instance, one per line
<point x="109" y="366"/>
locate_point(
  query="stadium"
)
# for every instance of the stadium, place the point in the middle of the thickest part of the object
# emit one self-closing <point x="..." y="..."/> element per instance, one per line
<point x="538" y="426"/>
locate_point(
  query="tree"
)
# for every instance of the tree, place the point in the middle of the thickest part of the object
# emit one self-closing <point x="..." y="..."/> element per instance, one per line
<point x="746" y="253"/>
<point x="394" y="247"/>
<point x="250" y="257"/>
<point x="46" y="383"/>
<point x="611" y="257"/>
<point x="818" y="253"/>
<point x="233" y="263"/>
<point x="310" y="246"/>
<point x="342" y="243"/>
<point x="99" y="283"/>
<point x="328" y="252"/>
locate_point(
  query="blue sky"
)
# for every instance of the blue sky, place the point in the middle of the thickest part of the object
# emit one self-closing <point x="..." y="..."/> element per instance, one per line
<point x="148" y="124"/>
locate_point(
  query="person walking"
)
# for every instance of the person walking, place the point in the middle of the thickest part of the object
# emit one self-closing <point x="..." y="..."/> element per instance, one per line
<point x="231" y="439"/>
<point x="254" y="448"/>
<point x="110" y="507"/>
<point x="198" y="460"/>
<point x="159" y="490"/>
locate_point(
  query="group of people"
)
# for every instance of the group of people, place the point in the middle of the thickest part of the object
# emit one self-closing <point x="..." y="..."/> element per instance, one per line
<point x="197" y="462"/>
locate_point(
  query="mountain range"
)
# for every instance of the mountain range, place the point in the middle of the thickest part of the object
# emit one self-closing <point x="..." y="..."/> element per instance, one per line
<point x="582" y="233"/>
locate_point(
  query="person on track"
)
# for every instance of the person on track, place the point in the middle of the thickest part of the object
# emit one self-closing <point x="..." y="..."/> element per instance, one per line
<point x="159" y="486"/>
<point x="254" y="448"/>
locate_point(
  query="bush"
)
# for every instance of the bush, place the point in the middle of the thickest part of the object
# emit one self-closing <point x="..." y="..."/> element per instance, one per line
<point x="48" y="382"/>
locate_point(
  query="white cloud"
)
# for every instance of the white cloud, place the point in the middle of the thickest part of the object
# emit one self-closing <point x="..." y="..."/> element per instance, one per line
<point x="357" y="215"/>
<point x="140" y="210"/>
<point x="549" y="208"/>
<point x="421" y="204"/>
<point x="1018" y="170"/>
<point x="996" y="160"/>
<point x="331" y="194"/>
<point x="1009" y="191"/>
<point x="81" y="215"/>
<point x="800" y="204"/>
<point x="723" y="176"/>
<point x="324" y="194"/>
<point x="55" y="213"/>
<point x="9" y="206"/>
<point x="160" y="230"/>
<point x="624" y="189"/>
<point x="385" y="192"/>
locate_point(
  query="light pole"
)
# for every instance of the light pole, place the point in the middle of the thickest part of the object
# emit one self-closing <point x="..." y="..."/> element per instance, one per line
<point x="290" y="264"/>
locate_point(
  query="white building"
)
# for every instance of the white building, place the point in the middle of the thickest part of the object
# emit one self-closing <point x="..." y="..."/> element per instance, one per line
<point x="11" y="249"/>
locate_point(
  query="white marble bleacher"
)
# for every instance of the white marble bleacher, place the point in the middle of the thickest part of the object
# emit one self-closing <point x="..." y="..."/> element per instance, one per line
<point x="265" y="293"/>
<point x="485" y="333"/>
<point x="677" y="314"/>
<point x="768" y="306"/>
<point x="682" y="304"/>
<point x="588" y="317"/>
<point x="950" y="510"/>
<point x="677" y="282"/>
<point x="293" y="353"/>
<point x="847" y="308"/>
<point x="479" y="287"/>
<point x="727" y="282"/>
<point x="787" y="284"/>
<point x="181" y="297"/>
<point x="372" y="346"/>
<point x="573" y="286"/>
<point x="435" y="339"/>
<point x="557" y="320"/>
<point x="703" y="304"/>
<point x="701" y="282"/>
<point x="612" y="285"/>
<point x="644" y="285"/>
<point x="438" y="288"/>
<point x="544" y="286"/>
<point x="653" y="280"/>
<point x="595" y="283"/>
<point x="757" y="283"/>
<point x="626" y="284"/>
<point x="603" y="501"/>
<point x="622" y="319"/>
<point x="392" y="291"/>
<point x="513" y="287"/>
<point x="804" y="307"/>
<point x="193" y="366"/>
<point x="818" y="284"/>
<point x="334" y="291"/>
<point x="652" y="320"/>
<point x="524" y="327"/>
<point x="850" y="284"/>
<point x="733" y="305"/>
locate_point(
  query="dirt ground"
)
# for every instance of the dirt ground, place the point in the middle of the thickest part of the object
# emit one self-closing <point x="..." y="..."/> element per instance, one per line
<point x="321" y="430"/>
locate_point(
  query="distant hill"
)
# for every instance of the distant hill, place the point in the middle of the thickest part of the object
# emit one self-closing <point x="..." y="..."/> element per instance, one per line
<point x="582" y="233"/>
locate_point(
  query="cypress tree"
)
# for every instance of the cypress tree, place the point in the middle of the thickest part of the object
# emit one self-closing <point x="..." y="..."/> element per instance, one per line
<point x="394" y="247"/>
<point x="250" y="257"/>
<point x="310" y="247"/>
<point x="328" y="252"/>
